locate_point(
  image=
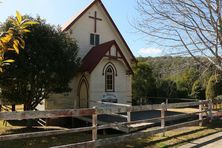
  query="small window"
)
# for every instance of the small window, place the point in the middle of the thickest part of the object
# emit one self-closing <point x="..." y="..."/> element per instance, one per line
<point x="97" y="40"/>
<point x="109" y="76"/>
<point x="94" y="39"/>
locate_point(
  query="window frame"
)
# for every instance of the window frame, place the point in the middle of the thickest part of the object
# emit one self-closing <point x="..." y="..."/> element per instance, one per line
<point x="94" y="39"/>
<point x="97" y="39"/>
<point x="107" y="73"/>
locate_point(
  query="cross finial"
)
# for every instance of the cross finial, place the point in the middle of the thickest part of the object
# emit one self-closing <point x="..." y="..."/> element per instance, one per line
<point x="95" y="20"/>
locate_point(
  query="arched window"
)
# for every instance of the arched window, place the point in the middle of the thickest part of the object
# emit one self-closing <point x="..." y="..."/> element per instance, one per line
<point x="109" y="79"/>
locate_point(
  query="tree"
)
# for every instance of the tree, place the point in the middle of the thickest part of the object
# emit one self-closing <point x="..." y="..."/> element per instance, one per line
<point x="166" y="88"/>
<point x="186" y="79"/>
<point x="188" y="26"/>
<point x="12" y="38"/>
<point x="47" y="65"/>
<point x="214" y="87"/>
<point x="143" y="81"/>
<point x="198" y="91"/>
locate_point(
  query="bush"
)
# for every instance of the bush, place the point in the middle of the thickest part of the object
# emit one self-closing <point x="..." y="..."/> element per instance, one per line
<point x="198" y="92"/>
<point x="214" y="87"/>
<point x="143" y="81"/>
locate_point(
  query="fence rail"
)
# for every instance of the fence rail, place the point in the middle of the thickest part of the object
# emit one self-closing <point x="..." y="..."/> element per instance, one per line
<point x="205" y="107"/>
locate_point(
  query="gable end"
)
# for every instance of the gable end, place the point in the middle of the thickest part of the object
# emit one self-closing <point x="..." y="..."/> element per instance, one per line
<point x="68" y="26"/>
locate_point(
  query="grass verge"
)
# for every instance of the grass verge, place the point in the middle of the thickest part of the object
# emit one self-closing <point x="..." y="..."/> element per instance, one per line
<point x="174" y="138"/>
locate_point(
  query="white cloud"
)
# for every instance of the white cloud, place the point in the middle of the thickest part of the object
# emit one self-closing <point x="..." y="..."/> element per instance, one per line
<point x="153" y="52"/>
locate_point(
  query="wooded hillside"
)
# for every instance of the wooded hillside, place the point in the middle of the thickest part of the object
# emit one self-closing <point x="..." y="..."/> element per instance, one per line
<point x="175" y="77"/>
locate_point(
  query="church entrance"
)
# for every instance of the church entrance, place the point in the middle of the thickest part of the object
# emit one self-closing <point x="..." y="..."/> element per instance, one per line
<point x="83" y="93"/>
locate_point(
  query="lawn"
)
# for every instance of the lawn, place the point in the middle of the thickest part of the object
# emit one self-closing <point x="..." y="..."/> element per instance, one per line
<point x="174" y="138"/>
<point x="43" y="142"/>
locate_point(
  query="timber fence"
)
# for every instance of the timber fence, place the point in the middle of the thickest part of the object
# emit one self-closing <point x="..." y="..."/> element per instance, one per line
<point x="158" y="100"/>
<point x="205" y="112"/>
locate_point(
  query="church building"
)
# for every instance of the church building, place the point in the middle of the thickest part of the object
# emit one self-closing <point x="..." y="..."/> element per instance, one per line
<point x="106" y="62"/>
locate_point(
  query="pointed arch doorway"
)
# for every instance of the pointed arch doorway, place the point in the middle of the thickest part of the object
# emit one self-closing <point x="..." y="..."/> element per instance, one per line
<point x="83" y="93"/>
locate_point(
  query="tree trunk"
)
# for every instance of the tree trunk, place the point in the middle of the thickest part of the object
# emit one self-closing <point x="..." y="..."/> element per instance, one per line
<point x="28" y="121"/>
<point x="27" y="106"/>
<point x="13" y="108"/>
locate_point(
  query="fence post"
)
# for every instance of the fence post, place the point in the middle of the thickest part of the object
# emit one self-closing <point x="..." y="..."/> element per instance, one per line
<point x="200" y="114"/>
<point x="128" y="116"/>
<point x="13" y="108"/>
<point x="210" y="110"/>
<point x="163" y="109"/>
<point x="94" y="125"/>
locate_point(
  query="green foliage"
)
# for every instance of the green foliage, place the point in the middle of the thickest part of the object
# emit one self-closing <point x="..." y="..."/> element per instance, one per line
<point x="214" y="87"/>
<point x="143" y="81"/>
<point x="219" y="97"/>
<point x="166" y="88"/>
<point x="175" y="76"/>
<point x="185" y="80"/>
<point x="12" y="38"/>
<point x="47" y="65"/>
<point x="198" y="91"/>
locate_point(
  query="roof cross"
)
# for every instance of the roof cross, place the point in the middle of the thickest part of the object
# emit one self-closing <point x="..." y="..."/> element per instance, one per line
<point x="95" y="20"/>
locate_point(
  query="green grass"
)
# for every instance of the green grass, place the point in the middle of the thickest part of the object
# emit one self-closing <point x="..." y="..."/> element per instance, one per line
<point x="44" y="142"/>
<point x="41" y="142"/>
<point x="49" y="141"/>
<point x="174" y="138"/>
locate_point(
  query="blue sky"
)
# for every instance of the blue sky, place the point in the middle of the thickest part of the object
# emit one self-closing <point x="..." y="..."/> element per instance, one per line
<point x="57" y="12"/>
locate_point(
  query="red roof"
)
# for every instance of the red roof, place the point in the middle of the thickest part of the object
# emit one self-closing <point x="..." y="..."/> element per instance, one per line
<point x="95" y="55"/>
<point x="65" y="28"/>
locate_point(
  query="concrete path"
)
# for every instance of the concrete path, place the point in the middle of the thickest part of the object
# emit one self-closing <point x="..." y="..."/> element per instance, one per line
<point x="212" y="141"/>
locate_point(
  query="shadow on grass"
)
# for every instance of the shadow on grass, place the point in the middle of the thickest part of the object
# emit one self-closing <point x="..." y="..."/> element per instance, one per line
<point x="190" y="139"/>
<point x="22" y="122"/>
<point x="25" y="130"/>
<point x="180" y="139"/>
<point x="45" y="142"/>
<point x="217" y="123"/>
<point x="207" y="142"/>
<point x="178" y="135"/>
<point x="140" y="142"/>
<point x="48" y="141"/>
<point x="214" y="125"/>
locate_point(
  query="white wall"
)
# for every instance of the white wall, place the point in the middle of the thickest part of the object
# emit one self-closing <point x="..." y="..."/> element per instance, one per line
<point x="122" y="83"/>
<point x="96" y="80"/>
